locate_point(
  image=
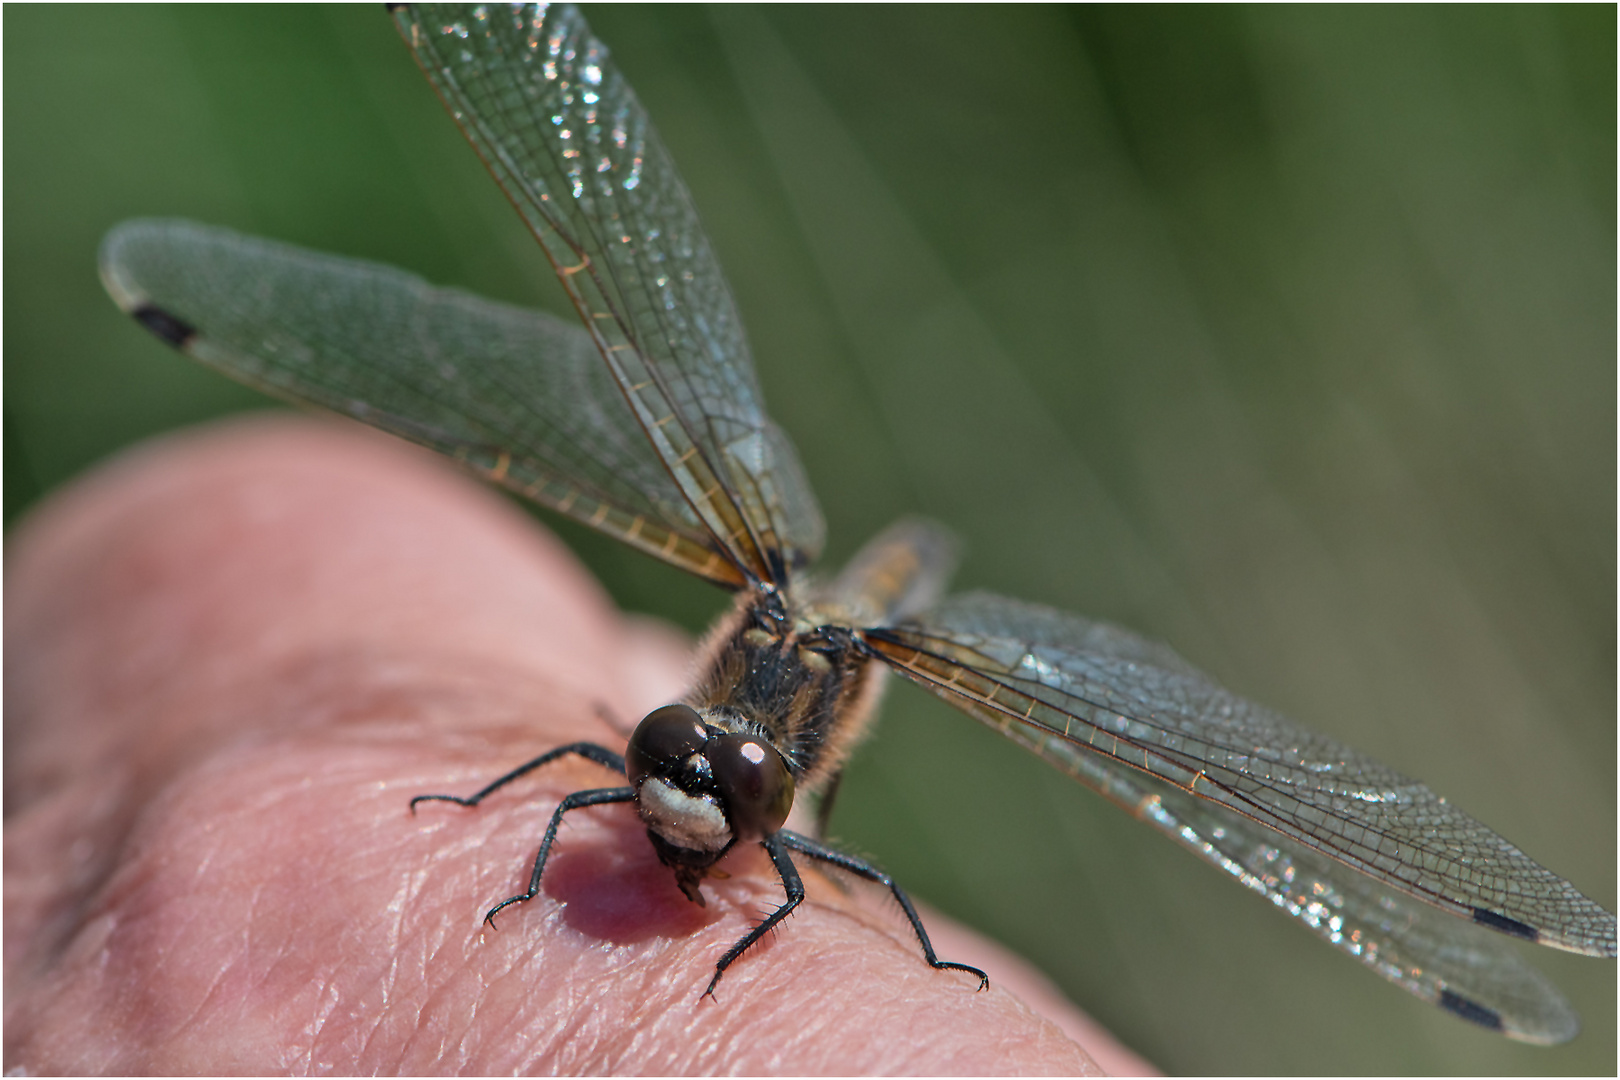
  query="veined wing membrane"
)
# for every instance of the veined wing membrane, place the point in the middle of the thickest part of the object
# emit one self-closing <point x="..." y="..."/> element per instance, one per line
<point x="520" y="396"/>
<point x="1448" y="962"/>
<point x="1134" y="721"/>
<point x="563" y="133"/>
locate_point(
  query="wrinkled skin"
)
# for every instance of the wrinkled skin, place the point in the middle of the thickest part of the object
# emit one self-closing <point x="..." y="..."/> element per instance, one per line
<point x="231" y="658"/>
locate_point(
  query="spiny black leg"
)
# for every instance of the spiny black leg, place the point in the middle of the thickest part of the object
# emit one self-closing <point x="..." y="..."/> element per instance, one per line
<point x="605" y="713"/>
<point x="573" y="802"/>
<point x="824" y="808"/>
<point x="795" y="893"/>
<point x="590" y="751"/>
<point x="806" y="846"/>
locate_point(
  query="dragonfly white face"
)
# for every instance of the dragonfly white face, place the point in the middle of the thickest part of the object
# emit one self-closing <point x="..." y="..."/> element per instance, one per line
<point x="646" y="422"/>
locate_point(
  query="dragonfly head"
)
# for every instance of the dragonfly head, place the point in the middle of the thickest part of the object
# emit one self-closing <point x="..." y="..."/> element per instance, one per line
<point x="701" y="788"/>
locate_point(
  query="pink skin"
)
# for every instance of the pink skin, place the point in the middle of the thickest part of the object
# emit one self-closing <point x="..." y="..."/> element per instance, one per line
<point x="231" y="658"/>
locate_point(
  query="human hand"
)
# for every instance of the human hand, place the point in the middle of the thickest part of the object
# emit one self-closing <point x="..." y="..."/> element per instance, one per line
<point x="231" y="659"/>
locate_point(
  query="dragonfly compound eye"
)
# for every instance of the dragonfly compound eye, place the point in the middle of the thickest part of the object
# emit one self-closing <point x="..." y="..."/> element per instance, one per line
<point x="754" y="784"/>
<point x="663" y="741"/>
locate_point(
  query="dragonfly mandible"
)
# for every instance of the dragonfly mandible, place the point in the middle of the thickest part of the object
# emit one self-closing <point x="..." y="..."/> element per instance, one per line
<point x="646" y="422"/>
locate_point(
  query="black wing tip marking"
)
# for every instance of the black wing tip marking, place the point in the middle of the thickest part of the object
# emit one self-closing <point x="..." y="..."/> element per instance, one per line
<point x="1506" y="925"/>
<point x="392" y="8"/>
<point x="168" y="328"/>
<point x="1471" y="1011"/>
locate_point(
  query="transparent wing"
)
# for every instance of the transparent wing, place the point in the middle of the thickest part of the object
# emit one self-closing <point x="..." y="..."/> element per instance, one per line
<point x="1283" y="810"/>
<point x="563" y="133"/>
<point x="518" y="395"/>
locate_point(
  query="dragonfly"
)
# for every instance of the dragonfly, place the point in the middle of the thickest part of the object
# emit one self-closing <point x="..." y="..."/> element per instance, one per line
<point x="644" y="420"/>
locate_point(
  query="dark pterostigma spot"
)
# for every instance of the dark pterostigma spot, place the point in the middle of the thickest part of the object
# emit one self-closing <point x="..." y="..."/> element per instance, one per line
<point x="166" y="326"/>
<point x="1468" y="1010"/>
<point x="1506" y="925"/>
<point x="396" y="7"/>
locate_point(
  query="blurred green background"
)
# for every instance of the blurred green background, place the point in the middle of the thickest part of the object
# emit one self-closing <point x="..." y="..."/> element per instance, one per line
<point x="1285" y="335"/>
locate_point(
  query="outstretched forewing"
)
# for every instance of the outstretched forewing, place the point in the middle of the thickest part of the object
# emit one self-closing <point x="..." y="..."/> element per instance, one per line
<point x="565" y="136"/>
<point x="520" y="396"/>
<point x="1374" y="862"/>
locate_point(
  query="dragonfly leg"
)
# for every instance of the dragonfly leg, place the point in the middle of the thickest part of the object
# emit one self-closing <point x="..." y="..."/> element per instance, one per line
<point x="604" y="712"/>
<point x="860" y="867"/>
<point x="595" y="797"/>
<point x="824" y="808"/>
<point x="791" y="884"/>
<point x="590" y="751"/>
